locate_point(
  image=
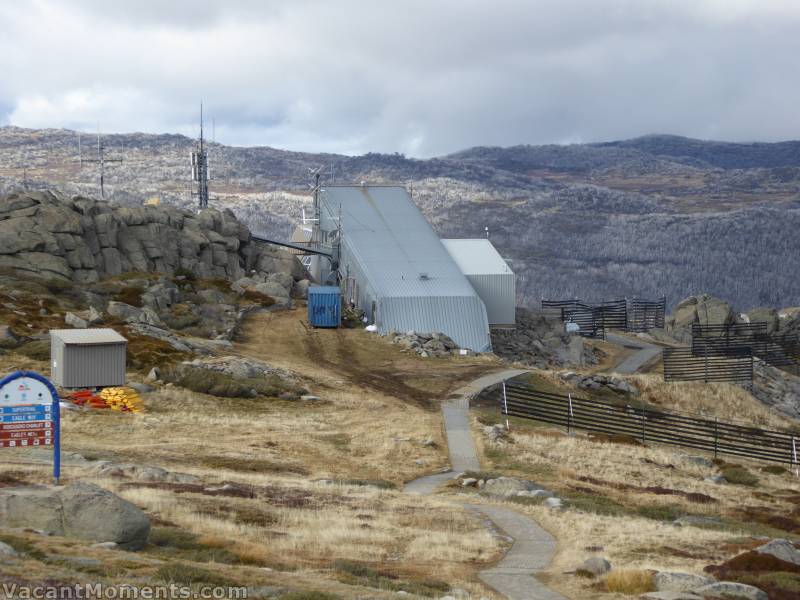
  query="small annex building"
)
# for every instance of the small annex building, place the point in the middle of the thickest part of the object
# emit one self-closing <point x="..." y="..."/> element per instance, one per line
<point x="489" y="274"/>
<point x="392" y="265"/>
<point x="84" y="358"/>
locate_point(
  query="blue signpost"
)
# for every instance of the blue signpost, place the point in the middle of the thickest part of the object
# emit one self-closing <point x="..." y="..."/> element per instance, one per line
<point x="29" y="414"/>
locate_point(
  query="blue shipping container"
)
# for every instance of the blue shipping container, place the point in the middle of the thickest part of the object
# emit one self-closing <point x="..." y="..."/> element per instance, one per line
<point x="324" y="306"/>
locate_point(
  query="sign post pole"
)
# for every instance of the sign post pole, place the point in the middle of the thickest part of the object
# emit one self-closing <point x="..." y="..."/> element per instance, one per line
<point x="505" y="405"/>
<point x="56" y="440"/>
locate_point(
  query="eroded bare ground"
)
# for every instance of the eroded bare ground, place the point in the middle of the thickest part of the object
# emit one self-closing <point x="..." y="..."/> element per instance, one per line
<point x="282" y="495"/>
<point x="354" y="357"/>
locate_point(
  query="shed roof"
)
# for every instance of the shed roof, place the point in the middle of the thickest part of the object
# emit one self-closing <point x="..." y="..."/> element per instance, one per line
<point x="98" y="335"/>
<point x="477" y="257"/>
<point x="397" y="247"/>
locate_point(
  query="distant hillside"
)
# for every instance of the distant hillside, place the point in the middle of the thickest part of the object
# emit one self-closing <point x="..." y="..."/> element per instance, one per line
<point x="657" y="215"/>
<point x="724" y="155"/>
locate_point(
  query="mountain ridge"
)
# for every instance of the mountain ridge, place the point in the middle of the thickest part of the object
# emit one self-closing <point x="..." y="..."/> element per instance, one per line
<point x="656" y="215"/>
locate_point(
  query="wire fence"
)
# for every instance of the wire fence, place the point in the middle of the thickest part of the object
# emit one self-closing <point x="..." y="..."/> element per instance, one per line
<point x="682" y="364"/>
<point x="647" y="424"/>
<point x="778" y="350"/>
<point x="644" y="315"/>
<point x="593" y="320"/>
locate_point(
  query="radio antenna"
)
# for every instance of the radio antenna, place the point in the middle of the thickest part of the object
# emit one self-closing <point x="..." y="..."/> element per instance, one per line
<point x="200" y="169"/>
<point x="101" y="160"/>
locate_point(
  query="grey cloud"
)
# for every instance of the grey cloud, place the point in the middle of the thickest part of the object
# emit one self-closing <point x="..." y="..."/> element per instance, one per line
<point x="423" y="78"/>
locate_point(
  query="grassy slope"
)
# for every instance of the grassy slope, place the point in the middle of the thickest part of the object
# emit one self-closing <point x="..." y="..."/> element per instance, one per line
<point x="322" y="474"/>
<point x="623" y="498"/>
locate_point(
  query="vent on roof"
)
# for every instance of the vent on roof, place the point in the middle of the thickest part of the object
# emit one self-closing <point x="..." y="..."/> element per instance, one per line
<point x="424" y="276"/>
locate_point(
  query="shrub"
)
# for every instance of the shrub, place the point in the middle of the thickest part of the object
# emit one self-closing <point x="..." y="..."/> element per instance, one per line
<point x="252" y="466"/>
<point x="774" y="470"/>
<point x="181" y="316"/>
<point x="357" y="573"/>
<point x="37" y="350"/>
<point x="185" y="273"/>
<point x="186" y="574"/>
<point x="130" y="295"/>
<point x="146" y="352"/>
<point x="258" y="298"/>
<point x="23" y="546"/>
<point x="738" y="475"/>
<point x="378" y="483"/>
<point x="594" y="503"/>
<point x="215" y="383"/>
<point x="630" y="582"/>
<point x="309" y="595"/>
<point x="223" y="285"/>
<point x="666" y="512"/>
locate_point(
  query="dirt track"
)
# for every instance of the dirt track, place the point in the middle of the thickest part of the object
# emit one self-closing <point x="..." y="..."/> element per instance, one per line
<point x="359" y="358"/>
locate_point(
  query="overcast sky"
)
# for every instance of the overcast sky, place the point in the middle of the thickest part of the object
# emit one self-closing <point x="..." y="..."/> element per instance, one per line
<point x="423" y="77"/>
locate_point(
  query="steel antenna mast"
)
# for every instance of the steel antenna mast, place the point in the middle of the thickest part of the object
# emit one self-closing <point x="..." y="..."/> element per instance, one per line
<point x="101" y="160"/>
<point x="200" y="168"/>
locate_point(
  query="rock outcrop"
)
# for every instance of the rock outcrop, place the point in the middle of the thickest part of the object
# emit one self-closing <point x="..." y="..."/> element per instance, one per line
<point x="540" y="341"/>
<point x="777" y="389"/>
<point x="765" y="315"/>
<point x="703" y="309"/>
<point x="598" y="381"/>
<point x="426" y="344"/>
<point x="84" y="240"/>
<point x="79" y="510"/>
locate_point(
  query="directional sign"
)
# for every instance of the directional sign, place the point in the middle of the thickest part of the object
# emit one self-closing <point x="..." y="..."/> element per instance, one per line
<point x="25" y="408"/>
<point x="29" y="414"/>
<point x="30" y="426"/>
<point x="38" y="415"/>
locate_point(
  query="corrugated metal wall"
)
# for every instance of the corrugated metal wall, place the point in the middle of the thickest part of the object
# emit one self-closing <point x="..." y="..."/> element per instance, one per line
<point x="499" y="293"/>
<point x="91" y="365"/>
<point x="463" y="318"/>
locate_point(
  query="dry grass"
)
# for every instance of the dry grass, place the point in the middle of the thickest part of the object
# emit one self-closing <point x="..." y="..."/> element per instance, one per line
<point x="375" y="421"/>
<point x="629" y="582"/>
<point x="617" y="502"/>
<point x="722" y="400"/>
<point x="353" y="523"/>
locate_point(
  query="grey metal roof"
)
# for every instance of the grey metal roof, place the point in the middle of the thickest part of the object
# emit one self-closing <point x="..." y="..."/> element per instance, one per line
<point x="477" y="257"/>
<point x="387" y="242"/>
<point x="99" y="335"/>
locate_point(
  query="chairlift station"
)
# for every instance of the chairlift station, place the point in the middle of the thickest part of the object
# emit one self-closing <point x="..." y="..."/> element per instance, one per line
<point x="389" y="262"/>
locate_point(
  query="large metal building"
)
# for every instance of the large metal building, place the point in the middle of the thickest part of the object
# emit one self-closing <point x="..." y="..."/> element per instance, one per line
<point x="393" y="265"/>
<point x="489" y="274"/>
<point x="87" y="357"/>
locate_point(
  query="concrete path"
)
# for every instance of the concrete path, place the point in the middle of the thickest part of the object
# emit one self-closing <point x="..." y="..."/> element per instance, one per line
<point x="532" y="550"/>
<point x="645" y="353"/>
<point x="533" y="547"/>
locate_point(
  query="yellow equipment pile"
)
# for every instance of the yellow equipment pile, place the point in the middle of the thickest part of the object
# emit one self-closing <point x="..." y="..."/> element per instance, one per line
<point x="122" y="398"/>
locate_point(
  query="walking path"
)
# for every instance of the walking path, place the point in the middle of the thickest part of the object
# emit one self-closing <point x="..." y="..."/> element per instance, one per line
<point x="533" y="547"/>
<point x="645" y="353"/>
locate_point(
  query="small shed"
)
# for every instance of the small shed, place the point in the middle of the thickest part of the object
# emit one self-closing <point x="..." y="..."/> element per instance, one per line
<point x="324" y="306"/>
<point x="87" y="357"/>
<point x="490" y="275"/>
